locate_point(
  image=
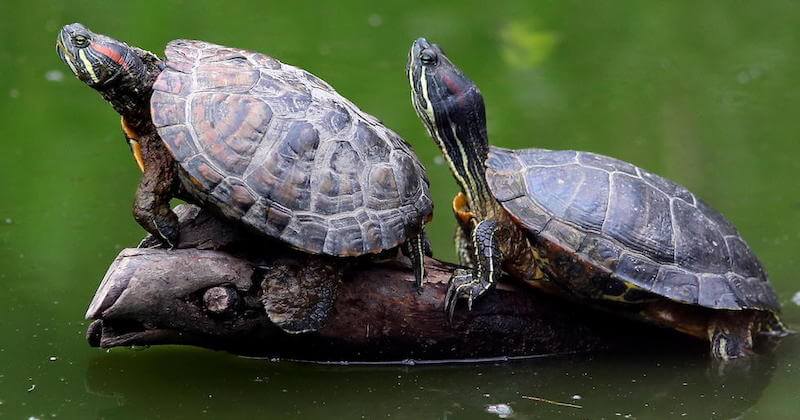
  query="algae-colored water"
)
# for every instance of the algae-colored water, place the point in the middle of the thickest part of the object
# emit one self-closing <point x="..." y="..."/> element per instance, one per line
<point x="702" y="92"/>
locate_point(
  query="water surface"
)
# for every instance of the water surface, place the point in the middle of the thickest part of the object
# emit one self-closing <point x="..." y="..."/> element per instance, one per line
<point x="702" y="92"/>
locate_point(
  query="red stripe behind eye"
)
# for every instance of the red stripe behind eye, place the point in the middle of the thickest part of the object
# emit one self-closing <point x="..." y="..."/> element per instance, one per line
<point x="111" y="53"/>
<point x="453" y="85"/>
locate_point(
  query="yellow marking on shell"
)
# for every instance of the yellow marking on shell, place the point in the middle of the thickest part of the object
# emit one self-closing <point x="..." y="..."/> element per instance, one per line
<point x="136" y="148"/>
<point x="88" y="65"/>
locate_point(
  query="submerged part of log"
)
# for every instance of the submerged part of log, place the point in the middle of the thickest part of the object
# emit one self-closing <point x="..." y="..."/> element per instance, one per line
<point x="219" y="291"/>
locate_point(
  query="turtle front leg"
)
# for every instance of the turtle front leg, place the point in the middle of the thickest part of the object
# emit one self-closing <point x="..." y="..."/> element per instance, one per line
<point x="487" y="259"/>
<point x="151" y="207"/>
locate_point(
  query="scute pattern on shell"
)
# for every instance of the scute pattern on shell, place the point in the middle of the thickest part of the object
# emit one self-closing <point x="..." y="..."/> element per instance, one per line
<point x="277" y="148"/>
<point x="639" y="227"/>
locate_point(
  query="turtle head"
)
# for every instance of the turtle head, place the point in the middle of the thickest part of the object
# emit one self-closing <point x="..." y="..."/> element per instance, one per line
<point x="440" y="88"/>
<point x="121" y="73"/>
<point x="96" y="59"/>
<point x="451" y="107"/>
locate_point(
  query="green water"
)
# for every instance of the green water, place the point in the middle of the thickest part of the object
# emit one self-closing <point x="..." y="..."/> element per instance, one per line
<point x="702" y="92"/>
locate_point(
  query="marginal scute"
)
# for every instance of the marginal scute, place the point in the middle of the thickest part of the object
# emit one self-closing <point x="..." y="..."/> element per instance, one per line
<point x="392" y="226"/>
<point x="235" y="193"/>
<point x="752" y="292"/>
<point x="370" y="231"/>
<point x="278" y="218"/>
<point x="308" y="229"/>
<point x="256" y="217"/>
<point x="203" y="173"/>
<point x="564" y="234"/>
<point x="637" y="270"/>
<point x="601" y="251"/>
<point x="344" y="234"/>
<point x="677" y="285"/>
<point x="527" y="213"/>
<point x="715" y="293"/>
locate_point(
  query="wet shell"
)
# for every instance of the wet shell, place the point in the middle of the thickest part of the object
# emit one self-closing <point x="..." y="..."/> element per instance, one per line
<point x="644" y="230"/>
<point x="280" y="150"/>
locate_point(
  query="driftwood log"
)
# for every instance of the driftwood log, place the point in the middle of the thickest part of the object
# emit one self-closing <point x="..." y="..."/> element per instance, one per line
<point x="226" y="289"/>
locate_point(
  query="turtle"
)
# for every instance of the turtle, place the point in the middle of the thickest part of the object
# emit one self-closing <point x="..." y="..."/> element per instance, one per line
<point x="588" y="227"/>
<point x="264" y="144"/>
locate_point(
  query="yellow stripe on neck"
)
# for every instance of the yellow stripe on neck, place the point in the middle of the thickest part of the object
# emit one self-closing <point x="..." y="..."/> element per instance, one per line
<point x="88" y="65"/>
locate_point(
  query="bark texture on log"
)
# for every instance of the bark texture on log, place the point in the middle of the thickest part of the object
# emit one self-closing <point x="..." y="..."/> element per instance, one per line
<point x="225" y="289"/>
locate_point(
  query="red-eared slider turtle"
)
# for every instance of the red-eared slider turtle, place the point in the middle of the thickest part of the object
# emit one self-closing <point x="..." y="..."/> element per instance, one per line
<point x="263" y="143"/>
<point x="587" y="226"/>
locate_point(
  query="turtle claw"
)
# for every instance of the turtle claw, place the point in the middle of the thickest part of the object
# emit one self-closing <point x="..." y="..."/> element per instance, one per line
<point x="463" y="285"/>
<point x="167" y="232"/>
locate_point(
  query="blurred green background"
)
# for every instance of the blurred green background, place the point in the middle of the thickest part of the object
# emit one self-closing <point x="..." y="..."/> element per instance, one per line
<point x="701" y="92"/>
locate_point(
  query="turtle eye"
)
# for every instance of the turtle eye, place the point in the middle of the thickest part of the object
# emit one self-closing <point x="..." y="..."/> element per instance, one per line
<point x="427" y="57"/>
<point x="80" y="41"/>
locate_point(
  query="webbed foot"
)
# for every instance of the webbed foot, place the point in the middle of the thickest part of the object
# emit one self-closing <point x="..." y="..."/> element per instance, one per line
<point x="167" y="228"/>
<point x="164" y="230"/>
<point x="463" y="285"/>
<point x="487" y="260"/>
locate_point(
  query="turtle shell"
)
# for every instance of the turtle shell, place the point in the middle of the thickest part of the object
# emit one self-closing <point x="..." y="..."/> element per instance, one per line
<point x="278" y="149"/>
<point x="637" y="227"/>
